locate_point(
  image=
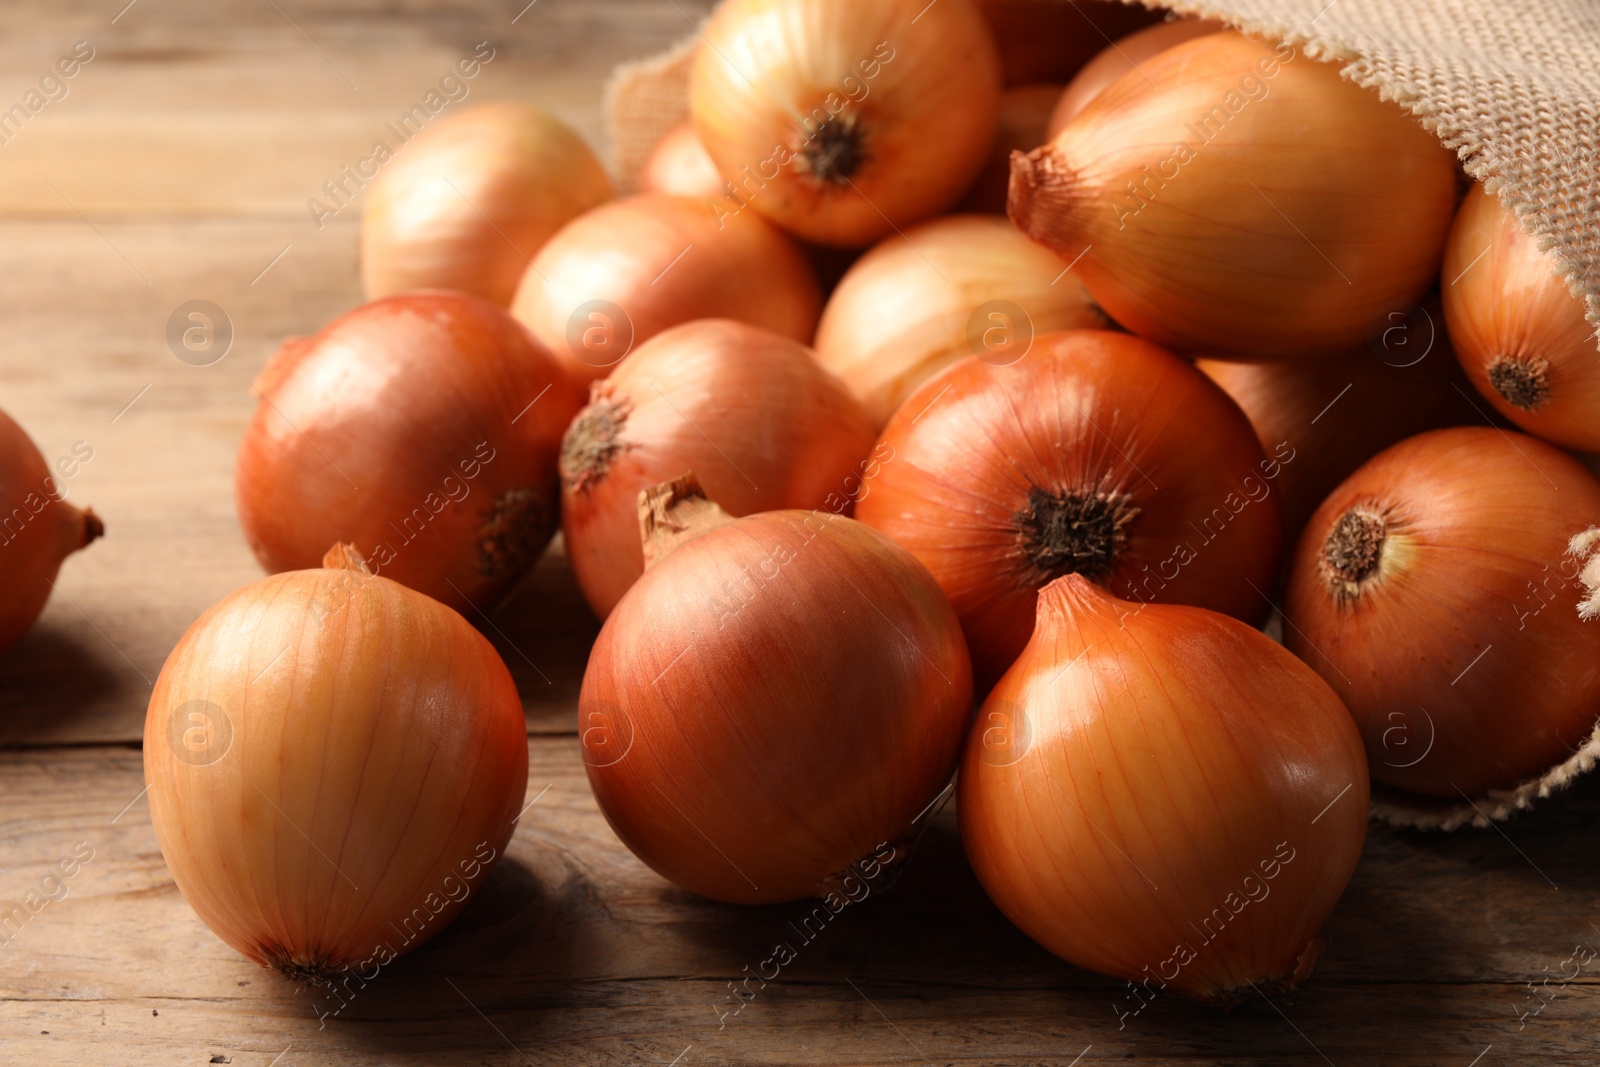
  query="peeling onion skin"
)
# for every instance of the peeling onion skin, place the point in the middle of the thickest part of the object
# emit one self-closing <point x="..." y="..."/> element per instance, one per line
<point x="703" y="396"/>
<point x="38" y="530"/>
<point x="368" y="430"/>
<point x="903" y="311"/>
<point x="1144" y="445"/>
<point x="660" y="260"/>
<point x="367" y="742"/>
<point x="915" y="91"/>
<point x="1519" y="332"/>
<point x="1471" y="556"/>
<point x="1109" y="804"/>
<point x="765" y="737"/>
<point x="1346" y="222"/>
<point x="1117" y="58"/>
<point x="471" y="198"/>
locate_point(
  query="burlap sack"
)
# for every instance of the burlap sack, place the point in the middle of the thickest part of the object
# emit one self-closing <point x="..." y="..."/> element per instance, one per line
<point x="1512" y="85"/>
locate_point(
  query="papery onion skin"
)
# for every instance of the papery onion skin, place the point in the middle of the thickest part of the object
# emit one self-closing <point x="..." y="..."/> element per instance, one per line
<point x="1098" y="453"/>
<point x="335" y="762"/>
<point x="38" y="529"/>
<point x="680" y="166"/>
<point x="841" y="120"/>
<point x="1338" y="413"/>
<point x="1141" y="784"/>
<point x="1050" y="40"/>
<point x="1287" y="228"/>
<point x="911" y="306"/>
<point x="754" y="415"/>
<point x="1024" y="114"/>
<point x="776" y="698"/>
<point x="1116" y="59"/>
<point x="465" y="204"/>
<point x="425" y="429"/>
<point x="1455" y="640"/>
<point x="1519" y="332"/>
<point x="621" y="274"/>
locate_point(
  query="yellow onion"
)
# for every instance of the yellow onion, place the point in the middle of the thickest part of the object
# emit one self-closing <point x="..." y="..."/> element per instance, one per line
<point x="619" y="275"/>
<point x="1049" y="40"/>
<point x="1230" y="196"/>
<point x="1114" y="61"/>
<point x="953" y="287"/>
<point x="1334" y="414"/>
<point x="424" y="428"/>
<point x="777" y="698"/>
<point x="335" y="762"/>
<point x="1168" y="797"/>
<point x="1024" y="114"/>
<point x="679" y="166"/>
<point x="472" y="198"/>
<point x="753" y="414"/>
<point x="841" y="120"/>
<point x="38" y="529"/>
<point x="1431" y="589"/>
<point x="1519" y="332"/>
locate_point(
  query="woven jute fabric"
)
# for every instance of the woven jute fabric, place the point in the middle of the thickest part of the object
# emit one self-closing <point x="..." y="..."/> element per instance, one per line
<point x="1512" y="85"/>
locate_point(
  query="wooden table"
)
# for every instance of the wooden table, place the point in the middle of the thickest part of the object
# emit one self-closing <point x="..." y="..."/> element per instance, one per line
<point x="178" y="168"/>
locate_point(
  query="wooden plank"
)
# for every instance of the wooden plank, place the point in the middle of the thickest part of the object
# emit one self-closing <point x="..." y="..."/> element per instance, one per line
<point x="576" y="953"/>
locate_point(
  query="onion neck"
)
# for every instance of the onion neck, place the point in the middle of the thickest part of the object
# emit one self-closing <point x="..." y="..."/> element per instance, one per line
<point x="1352" y="554"/>
<point x="1521" y="382"/>
<point x="1072" y="596"/>
<point x="674" y="512"/>
<point x="1046" y="200"/>
<point x="1072" y="532"/>
<point x="344" y="556"/>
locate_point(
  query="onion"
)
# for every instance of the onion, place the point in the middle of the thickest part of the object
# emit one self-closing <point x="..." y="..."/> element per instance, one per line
<point x="335" y="762"/>
<point x="1232" y="197"/>
<point x="424" y="429"/>
<point x="1049" y="40"/>
<point x="1165" y="796"/>
<point x="1101" y="455"/>
<point x="467" y="202"/>
<point x="1335" y="414"/>
<point x="841" y="120"/>
<point x="624" y="272"/>
<point x="38" y="529"/>
<point x="778" y="697"/>
<point x="1117" y="59"/>
<point x="956" y="286"/>
<point x="1024" y="113"/>
<point x="752" y="413"/>
<point x="679" y="166"/>
<point x="1431" y="592"/>
<point x="1519" y="332"/>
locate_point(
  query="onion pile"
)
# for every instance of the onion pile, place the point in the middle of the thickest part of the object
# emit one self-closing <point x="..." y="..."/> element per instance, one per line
<point x="744" y="751"/>
<point x="335" y="762"/>
<point x="38" y="529"/>
<point x="472" y="198"/>
<point x="1049" y="459"/>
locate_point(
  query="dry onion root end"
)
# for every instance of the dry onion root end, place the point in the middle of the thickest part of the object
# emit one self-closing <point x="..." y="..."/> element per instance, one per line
<point x="593" y="440"/>
<point x="1353" y="552"/>
<point x="519" y="525"/>
<point x="1073" y="532"/>
<point x="835" y="152"/>
<point x="1524" y="383"/>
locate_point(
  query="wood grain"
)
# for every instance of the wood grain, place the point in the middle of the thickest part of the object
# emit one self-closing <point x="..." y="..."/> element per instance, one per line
<point x="178" y="168"/>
